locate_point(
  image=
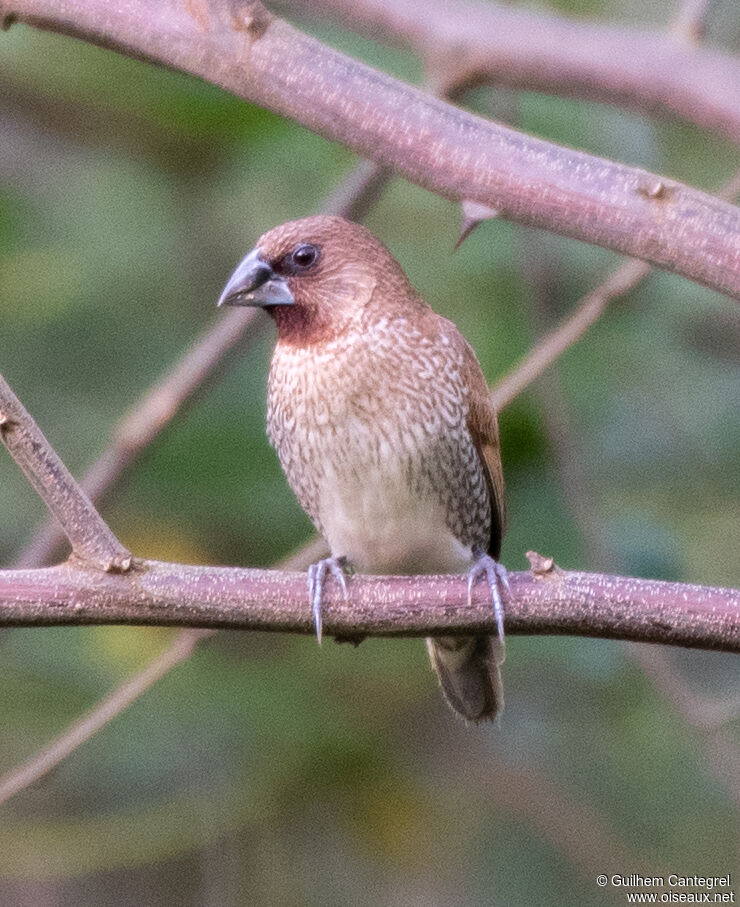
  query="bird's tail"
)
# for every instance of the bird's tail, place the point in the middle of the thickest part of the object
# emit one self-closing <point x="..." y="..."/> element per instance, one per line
<point x="469" y="674"/>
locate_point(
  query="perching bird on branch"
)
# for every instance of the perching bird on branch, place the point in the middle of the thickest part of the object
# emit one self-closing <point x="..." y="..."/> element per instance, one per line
<point x="380" y="415"/>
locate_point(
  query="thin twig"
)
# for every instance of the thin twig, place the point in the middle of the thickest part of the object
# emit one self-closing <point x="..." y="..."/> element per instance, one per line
<point x="547" y="350"/>
<point x="689" y="22"/>
<point x="590" y="308"/>
<point x="91" y="539"/>
<point x="191" y="375"/>
<point x="124" y="695"/>
<point x="706" y="715"/>
<point x="43" y="761"/>
<point x="352" y="199"/>
<point x="250" y="52"/>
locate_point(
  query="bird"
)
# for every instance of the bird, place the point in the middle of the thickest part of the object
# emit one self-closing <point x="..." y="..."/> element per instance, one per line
<point x="381" y="418"/>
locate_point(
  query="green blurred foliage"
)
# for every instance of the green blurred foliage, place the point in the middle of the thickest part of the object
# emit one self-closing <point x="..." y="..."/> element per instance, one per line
<point x="265" y="770"/>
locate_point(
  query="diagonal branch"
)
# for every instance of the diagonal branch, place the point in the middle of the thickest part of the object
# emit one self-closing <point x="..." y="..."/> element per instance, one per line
<point x="688" y="24"/>
<point x="477" y="42"/>
<point x="148" y="418"/>
<point x="261" y="58"/>
<point x="125" y="694"/>
<point x="42" y="762"/>
<point x="587" y="312"/>
<point x="92" y="541"/>
<point x="549" y="349"/>
<point x="352" y="199"/>
<point x="181" y="386"/>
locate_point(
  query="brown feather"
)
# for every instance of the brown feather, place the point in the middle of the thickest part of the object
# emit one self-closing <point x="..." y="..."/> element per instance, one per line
<point x="483" y="427"/>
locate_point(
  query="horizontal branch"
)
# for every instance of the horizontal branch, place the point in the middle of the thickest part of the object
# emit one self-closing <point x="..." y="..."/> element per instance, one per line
<point x="248" y="51"/>
<point x="474" y="42"/>
<point x="549" y="601"/>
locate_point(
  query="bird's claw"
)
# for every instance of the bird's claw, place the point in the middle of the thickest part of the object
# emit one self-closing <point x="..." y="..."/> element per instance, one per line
<point x="496" y="575"/>
<point x="316" y="575"/>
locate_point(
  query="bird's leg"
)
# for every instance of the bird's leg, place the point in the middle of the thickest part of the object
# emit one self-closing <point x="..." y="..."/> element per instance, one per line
<point x="497" y="576"/>
<point x="316" y="576"/>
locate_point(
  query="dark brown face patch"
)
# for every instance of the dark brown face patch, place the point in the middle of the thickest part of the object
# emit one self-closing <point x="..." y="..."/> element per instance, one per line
<point x="332" y="267"/>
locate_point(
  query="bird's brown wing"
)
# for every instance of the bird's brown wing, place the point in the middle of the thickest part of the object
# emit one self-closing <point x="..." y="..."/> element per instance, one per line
<point x="483" y="427"/>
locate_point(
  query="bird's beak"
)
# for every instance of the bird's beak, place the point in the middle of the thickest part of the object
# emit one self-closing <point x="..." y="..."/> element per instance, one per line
<point x="255" y="283"/>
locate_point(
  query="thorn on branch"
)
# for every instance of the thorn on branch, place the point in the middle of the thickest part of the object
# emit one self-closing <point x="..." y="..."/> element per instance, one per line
<point x="120" y="564"/>
<point x="655" y="189"/>
<point x="473" y="214"/>
<point x="251" y="17"/>
<point x="543" y="568"/>
<point x="548" y="600"/>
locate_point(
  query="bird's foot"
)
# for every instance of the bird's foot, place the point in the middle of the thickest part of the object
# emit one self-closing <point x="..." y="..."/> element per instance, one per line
<point x="497" y="577"/>
<point x="316" y="575"/>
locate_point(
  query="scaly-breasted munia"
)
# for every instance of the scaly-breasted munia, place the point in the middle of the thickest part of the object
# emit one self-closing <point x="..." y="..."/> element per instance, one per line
<point x="381" y="417"/>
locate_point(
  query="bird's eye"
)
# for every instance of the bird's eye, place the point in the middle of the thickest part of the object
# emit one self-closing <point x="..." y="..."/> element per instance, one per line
<point x="304" y="255"/>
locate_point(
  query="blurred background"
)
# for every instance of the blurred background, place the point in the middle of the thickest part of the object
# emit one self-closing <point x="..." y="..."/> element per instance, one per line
<point x="265" y="769"/>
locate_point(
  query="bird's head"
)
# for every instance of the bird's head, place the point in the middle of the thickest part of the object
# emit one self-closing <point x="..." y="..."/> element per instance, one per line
<point x="317" y="277"/>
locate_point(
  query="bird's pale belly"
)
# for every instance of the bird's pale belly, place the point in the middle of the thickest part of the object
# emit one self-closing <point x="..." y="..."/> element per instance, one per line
<point x="387" y="471"/>
<point x="381" y="526"/>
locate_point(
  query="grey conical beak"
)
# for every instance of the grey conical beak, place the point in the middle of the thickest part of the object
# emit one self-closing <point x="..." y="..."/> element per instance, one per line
<point x="255" y="283"/>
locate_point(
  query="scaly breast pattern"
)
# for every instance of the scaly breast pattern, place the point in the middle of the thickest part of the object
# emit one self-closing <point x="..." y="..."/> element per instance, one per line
<point x="371" y="431"/>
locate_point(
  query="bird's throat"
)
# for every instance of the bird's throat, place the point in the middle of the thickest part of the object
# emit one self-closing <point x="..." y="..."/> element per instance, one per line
<point x="302" y="325"/>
